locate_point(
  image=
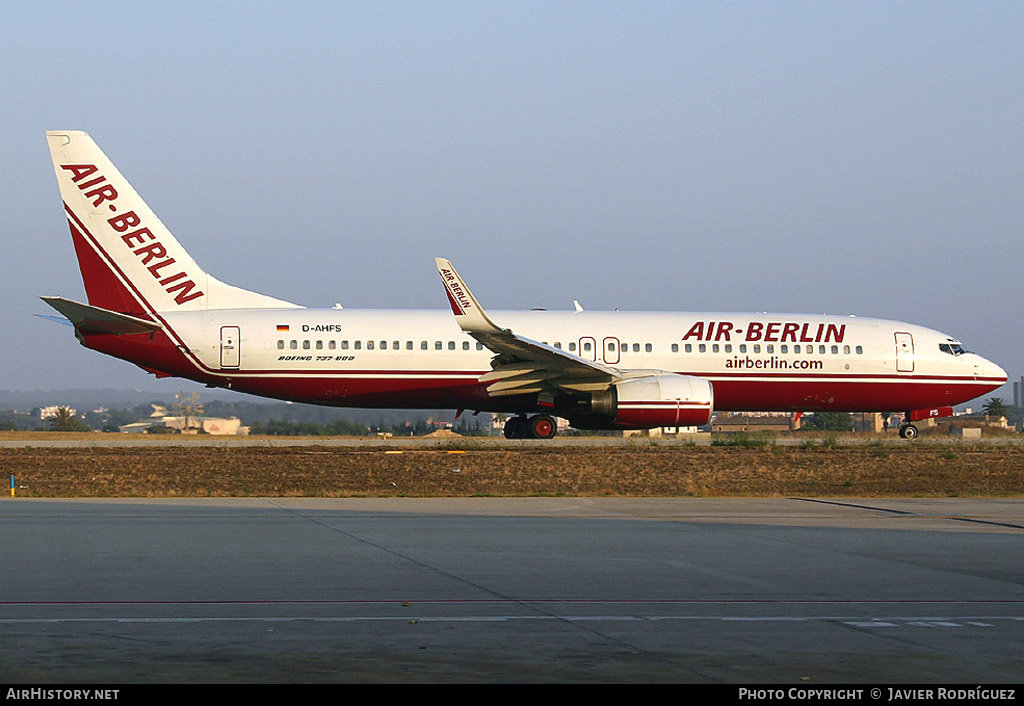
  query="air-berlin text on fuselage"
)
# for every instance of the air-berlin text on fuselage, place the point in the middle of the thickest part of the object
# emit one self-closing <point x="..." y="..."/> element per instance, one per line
<point x="768" y="331"/>
<point x="152" y="255"/>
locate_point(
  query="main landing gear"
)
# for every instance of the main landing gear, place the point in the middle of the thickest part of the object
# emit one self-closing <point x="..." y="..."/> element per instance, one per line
<point x="539" y="426"/>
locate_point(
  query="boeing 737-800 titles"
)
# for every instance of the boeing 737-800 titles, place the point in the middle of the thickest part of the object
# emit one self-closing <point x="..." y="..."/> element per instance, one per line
<point x="152" y="305"/>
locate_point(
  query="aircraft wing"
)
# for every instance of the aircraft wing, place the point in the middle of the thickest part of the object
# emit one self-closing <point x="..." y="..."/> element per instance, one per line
<point x="521" y="365"/>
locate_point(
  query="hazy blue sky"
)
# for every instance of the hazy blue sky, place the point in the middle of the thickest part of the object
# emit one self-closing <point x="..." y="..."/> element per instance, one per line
<point x="841" y="157"/>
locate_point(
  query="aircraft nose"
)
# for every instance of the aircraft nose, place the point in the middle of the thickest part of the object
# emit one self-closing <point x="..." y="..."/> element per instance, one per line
<point x="987" y="369"/>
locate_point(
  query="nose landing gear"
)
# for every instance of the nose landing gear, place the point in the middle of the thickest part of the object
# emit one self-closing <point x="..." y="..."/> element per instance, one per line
<point x="908" y="431"/>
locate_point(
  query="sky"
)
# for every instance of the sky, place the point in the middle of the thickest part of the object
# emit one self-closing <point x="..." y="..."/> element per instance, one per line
<point x="843" y="157"/>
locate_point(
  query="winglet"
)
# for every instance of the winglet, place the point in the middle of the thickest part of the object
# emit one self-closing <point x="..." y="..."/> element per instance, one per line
<point x="468" y="312"/>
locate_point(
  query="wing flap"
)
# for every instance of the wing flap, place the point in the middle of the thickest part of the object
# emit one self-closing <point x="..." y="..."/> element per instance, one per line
<point x="519" y="382"/>
<point x="509" y="371"/>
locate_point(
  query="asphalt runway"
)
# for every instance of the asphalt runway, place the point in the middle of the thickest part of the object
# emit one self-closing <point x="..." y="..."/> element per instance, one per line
<point x="512" y="590"/>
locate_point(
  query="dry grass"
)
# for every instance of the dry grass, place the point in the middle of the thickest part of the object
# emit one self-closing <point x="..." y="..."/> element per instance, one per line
<point x="164" y="471"/>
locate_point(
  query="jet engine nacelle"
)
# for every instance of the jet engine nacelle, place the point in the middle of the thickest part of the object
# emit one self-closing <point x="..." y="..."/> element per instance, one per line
<point x="653" y="401"/>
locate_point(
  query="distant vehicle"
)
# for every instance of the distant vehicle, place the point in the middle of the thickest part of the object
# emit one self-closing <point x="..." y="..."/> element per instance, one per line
<point x="152" y="305"/>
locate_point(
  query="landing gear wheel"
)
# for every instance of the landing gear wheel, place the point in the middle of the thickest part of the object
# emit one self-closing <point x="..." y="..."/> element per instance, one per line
<point x="517" y="428"/>
<point x="908" y="431"/>
<point x="542" y="427"/>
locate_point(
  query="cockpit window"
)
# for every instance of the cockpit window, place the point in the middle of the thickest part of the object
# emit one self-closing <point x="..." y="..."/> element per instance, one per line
<point x="952" y="348"/>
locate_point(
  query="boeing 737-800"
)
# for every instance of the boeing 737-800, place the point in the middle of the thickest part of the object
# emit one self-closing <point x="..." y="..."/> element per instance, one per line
<point x="152" y="305"/>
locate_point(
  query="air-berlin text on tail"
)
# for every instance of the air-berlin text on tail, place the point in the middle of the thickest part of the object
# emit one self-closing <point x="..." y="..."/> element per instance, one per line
<point x="768" y="331"/>
<point x="456" y="296"/>
<point x="152" y="255"/>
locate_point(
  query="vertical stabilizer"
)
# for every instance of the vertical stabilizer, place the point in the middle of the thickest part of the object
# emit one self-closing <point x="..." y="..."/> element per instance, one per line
<point x="130" y="262"/>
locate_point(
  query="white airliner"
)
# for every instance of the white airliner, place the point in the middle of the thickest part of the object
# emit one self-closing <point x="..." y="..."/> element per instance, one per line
<point x="152" y="305"/>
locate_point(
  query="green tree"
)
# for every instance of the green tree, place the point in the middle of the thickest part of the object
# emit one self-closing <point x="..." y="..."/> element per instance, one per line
<point x="828" y="421"/>
<point x="65" y="419"/>
<point x="187" y="405"/>
<point x="996" y="407"/>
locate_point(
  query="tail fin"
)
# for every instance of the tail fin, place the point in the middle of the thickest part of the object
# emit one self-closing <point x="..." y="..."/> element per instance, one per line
<point x="130" y="262"/>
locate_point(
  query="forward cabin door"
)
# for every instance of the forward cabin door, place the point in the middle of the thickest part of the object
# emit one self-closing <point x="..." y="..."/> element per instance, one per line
<point x="904" y="353"/>
<point x="230" y="350"/>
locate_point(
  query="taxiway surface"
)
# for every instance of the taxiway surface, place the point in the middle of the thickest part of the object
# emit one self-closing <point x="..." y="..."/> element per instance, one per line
<point x="512" y="590"/>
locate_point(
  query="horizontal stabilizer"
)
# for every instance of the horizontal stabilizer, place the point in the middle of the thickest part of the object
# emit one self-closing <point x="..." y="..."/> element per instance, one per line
<point x="55" y="319"/>
<point x="92" y="319"/>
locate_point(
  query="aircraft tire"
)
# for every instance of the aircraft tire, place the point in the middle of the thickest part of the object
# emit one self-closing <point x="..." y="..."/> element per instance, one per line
<point x="908" y="431"/>
<point x="517" y="428"/>
<point x="543" y="426"/>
